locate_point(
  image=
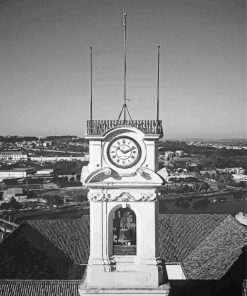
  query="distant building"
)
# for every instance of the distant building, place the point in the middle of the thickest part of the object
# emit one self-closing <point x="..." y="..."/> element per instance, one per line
<point x="236" y="170"/>
<point x="45" y="172"/>
<point x="14" y="190"/>
<point x="15" y="173"/>
<point x="181" y="175"/>
<point x="169" y="155"/>
<point x="239" y="178"/>
<point x="21" y="198"/>
<point x="46" y="143"/>
<point x="13" y="155"/>
<point x="179" y="153"/>
<point x="210" y="172"/>
<point x="57" y="158"/>
<point x="3" y="196"/>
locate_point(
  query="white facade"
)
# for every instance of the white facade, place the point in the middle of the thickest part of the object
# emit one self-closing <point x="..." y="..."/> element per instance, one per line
<point x="12" y="155"/>
<point x="11" y="174"/>
<point x="169" y="155"/>
<point x="237" y="177"/>
<point x="236" y="170"/>
<point x="179" y="153"/>
<point x="58" y="158"/>
<point x="47" y="172"/>
<point x="116" y="187"/>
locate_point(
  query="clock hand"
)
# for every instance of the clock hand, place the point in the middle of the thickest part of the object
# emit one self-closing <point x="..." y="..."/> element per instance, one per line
<point x="126" y="151"/>
<point x="118" y="148"/>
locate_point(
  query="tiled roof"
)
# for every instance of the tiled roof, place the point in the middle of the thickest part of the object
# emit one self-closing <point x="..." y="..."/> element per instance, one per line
<point x="71" y="236"/>
<point x="179" y="233"/>
<point x="39" y="287"/>
<point x="212" y="258"/>
<point x="206" y="245"/>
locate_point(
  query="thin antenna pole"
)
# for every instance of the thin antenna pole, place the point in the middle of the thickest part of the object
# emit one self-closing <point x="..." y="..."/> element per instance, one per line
<point x="158" y="85"/>
<point x="124" y="26"/>
<point x="91" y="87"/>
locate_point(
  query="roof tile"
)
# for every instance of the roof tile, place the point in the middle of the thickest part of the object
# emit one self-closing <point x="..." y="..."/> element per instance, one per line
<point x="71" y="236"/>
<point x="39" y="287"/>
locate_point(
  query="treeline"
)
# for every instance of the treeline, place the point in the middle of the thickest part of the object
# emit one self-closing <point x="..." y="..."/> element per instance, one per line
<point x="190" y="149"/>
<point x="69" y="167"/>
<point x="14" y="139"/>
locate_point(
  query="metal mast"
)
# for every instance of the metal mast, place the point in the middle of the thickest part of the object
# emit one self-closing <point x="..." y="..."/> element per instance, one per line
<point x="125" y="62"/>
<point x="91" y="84"/>
<point x="91" y="87"/>
<point x="158" y="85"/>
<point x="124" y="109"/>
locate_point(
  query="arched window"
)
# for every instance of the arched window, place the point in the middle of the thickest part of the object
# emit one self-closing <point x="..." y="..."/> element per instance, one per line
<point x="124" y="232"/>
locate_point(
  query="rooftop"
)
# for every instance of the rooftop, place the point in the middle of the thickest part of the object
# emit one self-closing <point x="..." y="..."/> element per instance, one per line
<point x="40" y="287"/>
<point x="205" y="245"/>
<point x="17" y="170"/>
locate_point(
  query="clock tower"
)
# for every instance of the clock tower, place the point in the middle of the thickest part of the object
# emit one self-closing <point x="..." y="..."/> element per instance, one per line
<point x="123" y="194"/>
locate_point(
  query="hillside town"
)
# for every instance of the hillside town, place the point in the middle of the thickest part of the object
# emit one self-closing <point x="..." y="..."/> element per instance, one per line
<point x="45" y="174"/>
<point x="238" y="146"/>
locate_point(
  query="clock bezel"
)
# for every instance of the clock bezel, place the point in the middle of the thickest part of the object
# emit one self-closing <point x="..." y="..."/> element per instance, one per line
<point x="130" y="165"/>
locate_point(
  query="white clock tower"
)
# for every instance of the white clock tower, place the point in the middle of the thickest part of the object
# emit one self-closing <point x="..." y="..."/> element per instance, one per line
<point x="123" y="184"/>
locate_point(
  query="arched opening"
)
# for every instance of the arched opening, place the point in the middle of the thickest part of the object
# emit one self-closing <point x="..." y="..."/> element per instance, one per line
<point x="124" y="232"/>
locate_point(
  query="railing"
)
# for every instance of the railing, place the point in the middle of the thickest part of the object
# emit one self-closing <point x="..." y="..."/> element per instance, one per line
<point x="99" y="127"/>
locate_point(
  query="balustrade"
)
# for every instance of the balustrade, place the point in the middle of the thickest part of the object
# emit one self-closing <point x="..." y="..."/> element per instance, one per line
<point x="99" y="127"/>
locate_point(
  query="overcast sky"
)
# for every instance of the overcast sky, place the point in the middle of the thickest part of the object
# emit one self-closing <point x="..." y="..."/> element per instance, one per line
<point x="44" y="65"/>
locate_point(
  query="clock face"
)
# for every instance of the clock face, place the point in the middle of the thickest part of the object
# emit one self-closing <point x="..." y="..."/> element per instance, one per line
<point x="124" y="152"/>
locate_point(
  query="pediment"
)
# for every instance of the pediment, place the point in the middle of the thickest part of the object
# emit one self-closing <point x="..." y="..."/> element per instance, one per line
<point x="142" y="176"/>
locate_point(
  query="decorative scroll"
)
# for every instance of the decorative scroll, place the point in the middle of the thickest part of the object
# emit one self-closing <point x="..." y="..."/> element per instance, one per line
<point x="99" y="127"/>
<point x="124" y="196"/>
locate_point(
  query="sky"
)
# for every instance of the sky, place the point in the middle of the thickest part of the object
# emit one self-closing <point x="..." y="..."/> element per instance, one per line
<point x="45" y="65"/>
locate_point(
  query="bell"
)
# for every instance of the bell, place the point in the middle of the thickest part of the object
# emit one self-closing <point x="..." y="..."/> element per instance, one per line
<point x="125" y="236"/>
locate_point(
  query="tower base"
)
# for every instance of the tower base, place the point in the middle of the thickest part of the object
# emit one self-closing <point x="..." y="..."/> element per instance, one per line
<point x="127" y="278"/>
<point x="162" y="290"/>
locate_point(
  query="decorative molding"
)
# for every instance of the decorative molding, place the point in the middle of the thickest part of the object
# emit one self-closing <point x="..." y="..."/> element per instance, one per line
<point x="123" y="197"/>
<point x="107" y="171"/>
<point x="139" y="172"/>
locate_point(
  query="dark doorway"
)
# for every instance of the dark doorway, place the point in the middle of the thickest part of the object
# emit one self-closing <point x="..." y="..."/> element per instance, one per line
<point x="124" y="232"/>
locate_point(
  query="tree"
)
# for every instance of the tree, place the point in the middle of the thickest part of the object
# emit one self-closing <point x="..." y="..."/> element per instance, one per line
<point x="221" y="182"/>
<point x="4" y="206"/>
<point x="14" y="204"/>
<point x="204" y="187"/>
<point x="72" y="179"/>
<point x="206" y="175"/>
<point x="58" y="201"/>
